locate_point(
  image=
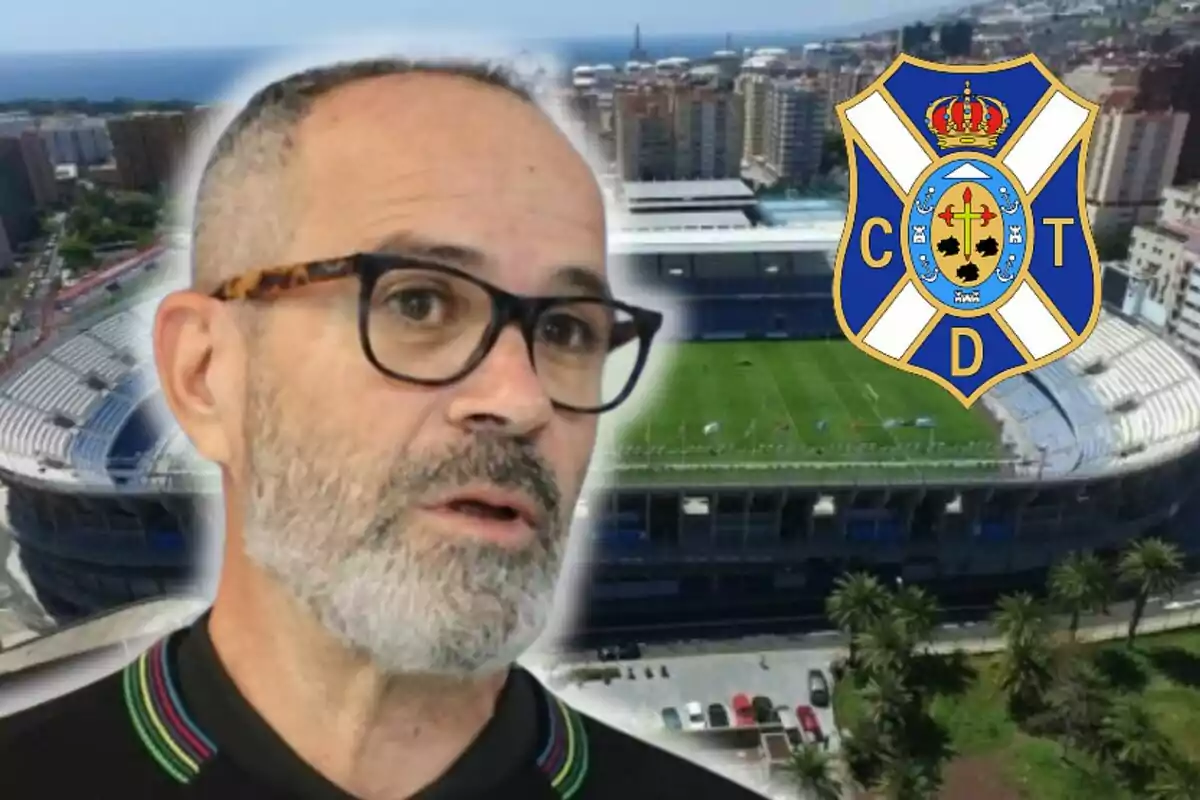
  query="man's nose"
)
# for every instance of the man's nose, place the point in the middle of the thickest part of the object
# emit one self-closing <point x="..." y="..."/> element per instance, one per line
<point x="504" y="392"/>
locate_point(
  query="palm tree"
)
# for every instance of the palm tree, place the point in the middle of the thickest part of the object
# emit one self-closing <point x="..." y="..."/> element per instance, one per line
<point x="889" y="700"/>
<point x="1019" y="618"/>
<point x="1080" y="585"/>
<point x="917" y="611"/>
<point x="858" y="599"/>
<point x="863" y="750"/>
<point x="885" y="647"/>
<point x="1078" y="704"/>
<point x="907" y="779"/>
<point x="1151" y="567"/>
<point x="1132" y="742"/>
<point x="1178" y="779"/>
<point x="1025" y="675"/>
<point x="814" y="772"/>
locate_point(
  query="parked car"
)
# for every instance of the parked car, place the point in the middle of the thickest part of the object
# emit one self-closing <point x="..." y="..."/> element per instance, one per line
<point x="670" y="718"/>
<point x="809" y="724"/>
<point x="629" y="651"/>
<point x="743" y="712"/>
<point x="695" y="717"/>
<point x="620" y="652"/>
<point x="764" y="710"/>
<point x="718" y="716"/>
<point x="818" y="689"/>
<point x="786" y="718"/>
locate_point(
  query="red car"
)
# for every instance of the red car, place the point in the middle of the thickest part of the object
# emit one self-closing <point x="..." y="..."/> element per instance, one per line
<point x="743" y="710"/>
<point x="808" y="722"/>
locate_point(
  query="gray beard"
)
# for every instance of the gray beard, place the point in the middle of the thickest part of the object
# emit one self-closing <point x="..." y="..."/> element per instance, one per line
<point x="410" y="600"/>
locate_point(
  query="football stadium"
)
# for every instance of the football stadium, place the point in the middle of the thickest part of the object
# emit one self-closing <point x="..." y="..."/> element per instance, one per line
<point x="775" y="456"/>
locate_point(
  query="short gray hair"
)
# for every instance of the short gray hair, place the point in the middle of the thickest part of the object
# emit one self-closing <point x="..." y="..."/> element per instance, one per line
<point x="234" y="228"/>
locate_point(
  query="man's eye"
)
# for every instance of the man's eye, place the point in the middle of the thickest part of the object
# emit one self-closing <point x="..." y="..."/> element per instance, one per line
<point x="420" y="305"/>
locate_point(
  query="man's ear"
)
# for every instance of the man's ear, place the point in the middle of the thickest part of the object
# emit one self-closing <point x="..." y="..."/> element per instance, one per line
<point x="192" y="352"/>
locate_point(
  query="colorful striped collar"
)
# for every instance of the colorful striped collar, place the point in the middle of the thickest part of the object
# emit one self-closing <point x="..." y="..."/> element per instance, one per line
<point x="171" y="737"/>
<point x="564" y="759"/>
<point x="161" y="721"/>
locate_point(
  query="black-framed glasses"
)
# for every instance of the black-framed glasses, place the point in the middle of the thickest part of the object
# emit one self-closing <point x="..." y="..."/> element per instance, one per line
<point x="432" y="324"/>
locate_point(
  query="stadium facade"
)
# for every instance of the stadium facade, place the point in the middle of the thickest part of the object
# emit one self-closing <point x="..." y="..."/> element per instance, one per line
<point x="103" y="505"/>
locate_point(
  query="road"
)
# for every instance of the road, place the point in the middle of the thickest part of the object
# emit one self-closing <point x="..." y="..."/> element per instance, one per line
<point x="28" y="315"/>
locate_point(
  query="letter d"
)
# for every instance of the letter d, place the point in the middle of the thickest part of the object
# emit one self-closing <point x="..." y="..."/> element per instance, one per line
<point x="956" y="366"/>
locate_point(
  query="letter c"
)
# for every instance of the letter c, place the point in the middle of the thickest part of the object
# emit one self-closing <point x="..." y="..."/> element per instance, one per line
<point x="865" y="242"/>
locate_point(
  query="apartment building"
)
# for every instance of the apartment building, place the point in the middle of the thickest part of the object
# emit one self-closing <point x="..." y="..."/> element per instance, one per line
<point x="671" y="130"/>
<point x="148" y="146"/>
<point x="1132" y="158"/>
<point x="796" y="114"/>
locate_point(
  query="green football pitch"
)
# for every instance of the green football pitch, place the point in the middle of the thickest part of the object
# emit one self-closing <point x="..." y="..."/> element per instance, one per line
<point x="754" y="412"/>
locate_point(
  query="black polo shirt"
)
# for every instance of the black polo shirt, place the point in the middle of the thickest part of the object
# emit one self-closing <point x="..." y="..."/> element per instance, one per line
<point x="173" y="724"/>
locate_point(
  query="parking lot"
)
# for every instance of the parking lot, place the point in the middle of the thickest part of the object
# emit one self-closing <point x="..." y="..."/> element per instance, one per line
<point x="634" y="701"/>
<point x="635" y="704"/>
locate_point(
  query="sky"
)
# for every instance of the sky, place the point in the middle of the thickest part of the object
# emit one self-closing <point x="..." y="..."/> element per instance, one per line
<point x="73" y="25"/>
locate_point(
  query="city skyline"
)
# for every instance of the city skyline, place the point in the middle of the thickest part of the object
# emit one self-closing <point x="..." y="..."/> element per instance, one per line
<point x="139" y="24"/>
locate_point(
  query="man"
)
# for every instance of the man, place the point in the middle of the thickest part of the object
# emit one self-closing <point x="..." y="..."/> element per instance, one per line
<point x="397" y="342"/>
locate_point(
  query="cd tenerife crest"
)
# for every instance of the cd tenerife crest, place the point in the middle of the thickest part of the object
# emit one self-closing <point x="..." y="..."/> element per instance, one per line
<point x="967" y="256"/>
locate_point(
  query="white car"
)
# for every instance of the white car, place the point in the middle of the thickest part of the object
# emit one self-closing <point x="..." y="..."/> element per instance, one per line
<point x="787" y="718"/>
<point x="695" y="717"/>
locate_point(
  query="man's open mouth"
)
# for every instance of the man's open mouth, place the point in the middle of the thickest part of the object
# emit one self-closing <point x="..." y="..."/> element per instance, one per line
<point x="492" y="504"/>
<point x="476" y="508"/>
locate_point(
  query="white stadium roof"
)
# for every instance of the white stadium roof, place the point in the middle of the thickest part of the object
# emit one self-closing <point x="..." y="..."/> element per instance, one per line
<point x="818" y="236"/>
<point x="684" y="220"/>
<point x="671" y="191"/>
<point x="800" y="238"/>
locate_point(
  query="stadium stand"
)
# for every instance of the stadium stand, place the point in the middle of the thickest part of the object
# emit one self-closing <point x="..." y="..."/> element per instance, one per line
<point x="1107" y="437"/>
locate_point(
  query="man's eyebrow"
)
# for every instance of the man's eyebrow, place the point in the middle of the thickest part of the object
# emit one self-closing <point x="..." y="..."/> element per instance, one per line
<point x="583" y="280"/>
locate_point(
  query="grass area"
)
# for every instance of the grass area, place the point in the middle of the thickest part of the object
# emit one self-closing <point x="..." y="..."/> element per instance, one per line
<point x="1162" y="670"/>
<point x="800" y="410"/>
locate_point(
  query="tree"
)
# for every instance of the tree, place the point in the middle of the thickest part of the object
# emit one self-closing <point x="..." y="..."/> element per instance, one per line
<point x="885" y="647"/>
<point x="814" y="772"/>
<point x="1132" y="743"/>
<point x="1077" y="705"/>
<point x="858" y="599"/>
<point x="1025" y="673"/>
<point x="890" y="702"/>
<point x="908" y="779"/>
<point x="863" y="750"/>
<point x="1080" y="585"/>
<point x="1152" y="567"/>
<point x="833" y="153"/>
<point x="916" y="611"/>
<point x="76" y="253"/>
<point x="1177" y="779"/>
<point x="1112" y="244"/>
<point x="1025" y="676"/>
<point x="1020" y="618"/>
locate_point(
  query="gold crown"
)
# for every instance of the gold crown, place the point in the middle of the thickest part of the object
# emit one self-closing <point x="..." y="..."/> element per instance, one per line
<point x="967" y="120"/>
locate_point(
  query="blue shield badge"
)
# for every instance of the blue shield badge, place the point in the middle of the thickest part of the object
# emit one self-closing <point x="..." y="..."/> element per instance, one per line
<point x="967" y="256"/>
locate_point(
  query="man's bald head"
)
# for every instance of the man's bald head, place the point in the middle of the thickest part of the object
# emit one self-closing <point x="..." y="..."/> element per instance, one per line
<point x="246" y="202"/>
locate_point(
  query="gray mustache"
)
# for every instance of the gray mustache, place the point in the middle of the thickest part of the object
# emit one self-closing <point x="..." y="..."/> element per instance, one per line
<point x="503" y="462"/>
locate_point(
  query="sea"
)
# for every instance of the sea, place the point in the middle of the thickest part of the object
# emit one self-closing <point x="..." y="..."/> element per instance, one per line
<point x="200" y="76"/>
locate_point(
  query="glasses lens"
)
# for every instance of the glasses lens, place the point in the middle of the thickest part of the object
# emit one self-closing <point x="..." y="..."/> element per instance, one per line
<point x="426" y="324"/>
<point x="585" y="352"/>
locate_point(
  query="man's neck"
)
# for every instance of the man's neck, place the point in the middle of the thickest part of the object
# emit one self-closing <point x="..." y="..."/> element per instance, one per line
<point x="378" y="738"/>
